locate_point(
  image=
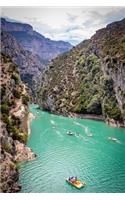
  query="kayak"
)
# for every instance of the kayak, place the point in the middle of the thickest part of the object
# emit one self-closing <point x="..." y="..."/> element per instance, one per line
<point x="78" y="184"/>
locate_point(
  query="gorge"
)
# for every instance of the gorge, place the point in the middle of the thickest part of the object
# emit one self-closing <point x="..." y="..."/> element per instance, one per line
<point x="68" y="84"/>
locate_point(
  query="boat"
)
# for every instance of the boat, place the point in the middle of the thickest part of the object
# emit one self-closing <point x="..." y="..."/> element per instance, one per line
<point x="90" y="135"/>
<point x="76" y="183"/>
<point x="69" y="133"/>
<point x="113" y="139"/>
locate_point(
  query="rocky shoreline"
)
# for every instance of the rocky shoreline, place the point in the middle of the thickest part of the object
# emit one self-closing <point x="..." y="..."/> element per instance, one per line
<point x="116" y="124"/>
<point x="30" y="118"/>
<point x="23" y="153"/>
<point x="110" y="122"/>
<point x="16" y="152"/>
<point x="86" y="116"/>
<point x="15" y="126"/>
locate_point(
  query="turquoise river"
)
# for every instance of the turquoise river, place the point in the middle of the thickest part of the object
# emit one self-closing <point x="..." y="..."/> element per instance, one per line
<point x="88" y="154"/>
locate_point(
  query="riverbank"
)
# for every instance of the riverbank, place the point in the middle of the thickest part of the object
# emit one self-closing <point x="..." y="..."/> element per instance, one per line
<point x="76" y="115"/>
<point x="115" y="124"/>
<point x="30" y="118"/>
<point x="24" y="153"/>
<point x="86" y="116"/>
<point x="110" y="122"/>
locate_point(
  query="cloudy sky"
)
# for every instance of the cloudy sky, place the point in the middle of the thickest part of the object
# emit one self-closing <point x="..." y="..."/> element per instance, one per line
<point x="72" y="24"/>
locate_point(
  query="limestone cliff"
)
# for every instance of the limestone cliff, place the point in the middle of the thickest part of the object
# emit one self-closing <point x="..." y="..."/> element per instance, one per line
<point x="33" y="41"/>
<point x="90" y="78"/>
<point x="14" y="125"/>
<point x="30" y="65"/>
<point x="30" y="50"/>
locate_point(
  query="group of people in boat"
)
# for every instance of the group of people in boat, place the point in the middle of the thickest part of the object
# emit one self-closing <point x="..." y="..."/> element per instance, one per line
<point x="73" y="179"/>
<point x="71" y="133"/>
<point x="113" y="139"/>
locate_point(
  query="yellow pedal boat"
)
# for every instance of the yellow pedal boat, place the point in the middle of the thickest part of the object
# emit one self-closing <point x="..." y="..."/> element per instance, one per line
<point x="77" y="183"/>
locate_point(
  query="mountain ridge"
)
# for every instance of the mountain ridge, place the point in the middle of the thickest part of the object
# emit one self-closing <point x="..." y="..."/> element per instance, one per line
<point x="33" y="41"/>
<point x="29" y="50"/>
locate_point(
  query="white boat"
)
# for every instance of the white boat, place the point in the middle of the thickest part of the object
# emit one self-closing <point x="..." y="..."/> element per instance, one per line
<point x="70" y="133"/>
<point x="113" y="139"/>
<point x="90" y="135"/>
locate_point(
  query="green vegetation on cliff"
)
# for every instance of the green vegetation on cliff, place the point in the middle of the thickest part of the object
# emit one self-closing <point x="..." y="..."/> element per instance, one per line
<point x="14" y="117"/>
<point x="90" y="79"/>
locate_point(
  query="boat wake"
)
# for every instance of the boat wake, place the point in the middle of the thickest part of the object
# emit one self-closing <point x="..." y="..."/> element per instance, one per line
<point x="86" y="129"/>
<point x="58" y="133"/>
<point x="52" y="122"/>
<point x="114" y="140"/>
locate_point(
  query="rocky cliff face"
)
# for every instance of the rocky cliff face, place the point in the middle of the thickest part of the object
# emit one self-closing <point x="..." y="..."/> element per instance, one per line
<point x="30" y="66"/>
<point x="34" y="42"/>
<point x="14" y="125"/>
<point x="29" y="50"/>
<point x="90" y="79"/>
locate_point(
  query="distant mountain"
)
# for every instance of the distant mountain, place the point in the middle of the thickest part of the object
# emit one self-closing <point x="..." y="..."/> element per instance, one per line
<point x="35" y="42"/>
<point x="90" y="78"/>
<point x="29" y="50"/>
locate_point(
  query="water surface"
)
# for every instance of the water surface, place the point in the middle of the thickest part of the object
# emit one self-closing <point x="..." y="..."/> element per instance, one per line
<point x="95" y="160"/>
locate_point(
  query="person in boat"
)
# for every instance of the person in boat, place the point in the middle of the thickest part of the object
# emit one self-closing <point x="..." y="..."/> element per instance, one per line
<point x="70" y="178"/>
<point x="69" y="133"/>
<point x="73" y="179"/>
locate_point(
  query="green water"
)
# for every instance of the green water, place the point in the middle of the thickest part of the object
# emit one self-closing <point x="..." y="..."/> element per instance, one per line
<point x="95" y="160"/>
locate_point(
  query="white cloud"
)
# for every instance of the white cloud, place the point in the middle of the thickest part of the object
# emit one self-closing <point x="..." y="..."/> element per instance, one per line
<point x="69" y="24"/>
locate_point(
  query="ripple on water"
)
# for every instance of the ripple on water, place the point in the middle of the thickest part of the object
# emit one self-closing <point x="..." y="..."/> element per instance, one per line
<point x="97" y="161"/>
